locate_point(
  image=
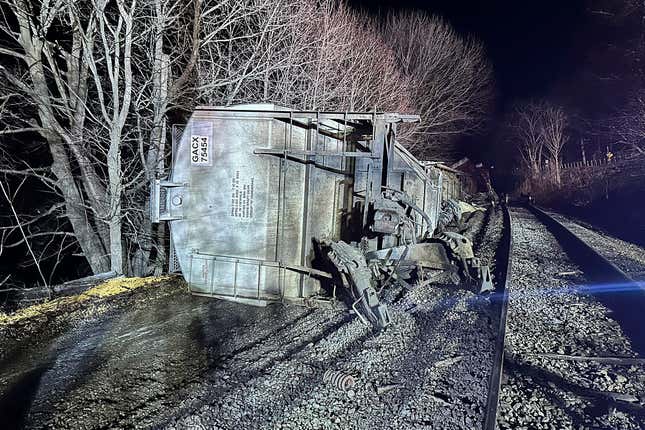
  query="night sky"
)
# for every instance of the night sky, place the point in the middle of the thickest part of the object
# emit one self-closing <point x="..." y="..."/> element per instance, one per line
<point x="536" y="48"/>
<point x="532" y="45"/>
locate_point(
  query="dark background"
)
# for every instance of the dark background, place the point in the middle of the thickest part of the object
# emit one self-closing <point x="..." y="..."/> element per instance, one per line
<point x="530" y="43"/>
<point x="554" y="50"/>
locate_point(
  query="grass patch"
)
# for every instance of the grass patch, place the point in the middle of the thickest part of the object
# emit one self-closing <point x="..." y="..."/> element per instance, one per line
<point x="112" y="287"/>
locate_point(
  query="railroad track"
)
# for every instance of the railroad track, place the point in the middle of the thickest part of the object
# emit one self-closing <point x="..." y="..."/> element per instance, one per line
<point x="629" y="304"/>
<point x="568" y="350"/>
<point x="629" y="257"/>
<point x="500" y="306"/>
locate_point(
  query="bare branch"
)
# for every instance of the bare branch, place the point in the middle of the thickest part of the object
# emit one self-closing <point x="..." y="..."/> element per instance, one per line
<point x="13" y="210"/>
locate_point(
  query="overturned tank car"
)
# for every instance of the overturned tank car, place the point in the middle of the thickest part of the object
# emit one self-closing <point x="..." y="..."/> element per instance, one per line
<point x="267" y="204"/>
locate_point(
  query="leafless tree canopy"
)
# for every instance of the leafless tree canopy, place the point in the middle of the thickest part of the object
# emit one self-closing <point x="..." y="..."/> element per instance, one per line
<point x="90" y="85"/>
<point x="525" y="129"/>
<point x="300" y="54"/>
<point x="626" y="129"/>
<point x="92" y="81"/>
<point x="538" y="129"/>
<point x="449" y="77"/>
<point x="554" y="123"/>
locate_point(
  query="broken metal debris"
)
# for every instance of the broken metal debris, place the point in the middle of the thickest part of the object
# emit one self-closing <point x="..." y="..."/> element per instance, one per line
<point x="339" y="380"/>
<point x="383" y="389"/>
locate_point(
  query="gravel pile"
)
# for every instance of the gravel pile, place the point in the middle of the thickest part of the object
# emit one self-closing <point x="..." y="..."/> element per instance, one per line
<point x="547" y="316"/>
<point x="627" y="256"/>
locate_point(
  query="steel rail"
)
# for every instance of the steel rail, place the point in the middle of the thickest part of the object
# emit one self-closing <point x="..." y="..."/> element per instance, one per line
<point x="500" y="299"/>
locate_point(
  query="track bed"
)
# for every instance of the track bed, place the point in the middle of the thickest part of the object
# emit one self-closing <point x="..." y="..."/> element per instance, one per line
<point x="629" y="257"/>
<point x="554" y="330"/>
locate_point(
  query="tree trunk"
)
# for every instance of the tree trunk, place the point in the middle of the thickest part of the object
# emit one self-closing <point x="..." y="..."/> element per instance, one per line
<point x="87" y="238"/>
<point x="114" y="223"/>
<point x="556" y="167"/>
<point x="140" y="263"/>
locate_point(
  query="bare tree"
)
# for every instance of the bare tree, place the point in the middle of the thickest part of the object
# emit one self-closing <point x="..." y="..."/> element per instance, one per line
<point x="114" y="99"/>
<point x="525" y="129"/>
<point x="626" y="128"/>
<point x="553" y="125"/>
<point x="24" y="236"/>
<point x="261" y="51"/>
<point x="76" y="87"/>
<point x="173" y="31"/>
<point x="536" y="127"/>
<point x="449" y="76"/>
<point x="52" y="79"/>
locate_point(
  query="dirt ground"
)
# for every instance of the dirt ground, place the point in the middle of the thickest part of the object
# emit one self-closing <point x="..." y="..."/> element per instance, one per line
<point x="156" y="357"/>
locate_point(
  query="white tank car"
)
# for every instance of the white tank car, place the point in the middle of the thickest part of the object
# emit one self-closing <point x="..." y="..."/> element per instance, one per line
<point x="267" y="204"/>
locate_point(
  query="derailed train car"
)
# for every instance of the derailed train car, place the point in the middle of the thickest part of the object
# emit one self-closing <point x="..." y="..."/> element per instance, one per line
<point x="267" y="204"/>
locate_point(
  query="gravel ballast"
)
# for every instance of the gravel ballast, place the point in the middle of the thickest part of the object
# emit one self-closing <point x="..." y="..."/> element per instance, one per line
<point x="546" y="315"/>
<point x="630" y="258"/>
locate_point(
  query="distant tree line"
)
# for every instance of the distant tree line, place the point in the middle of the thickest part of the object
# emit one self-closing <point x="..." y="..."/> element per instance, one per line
<point x="89" y="87"/>
<point x="597" y="112"/>
<point x="538" y="130"/>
